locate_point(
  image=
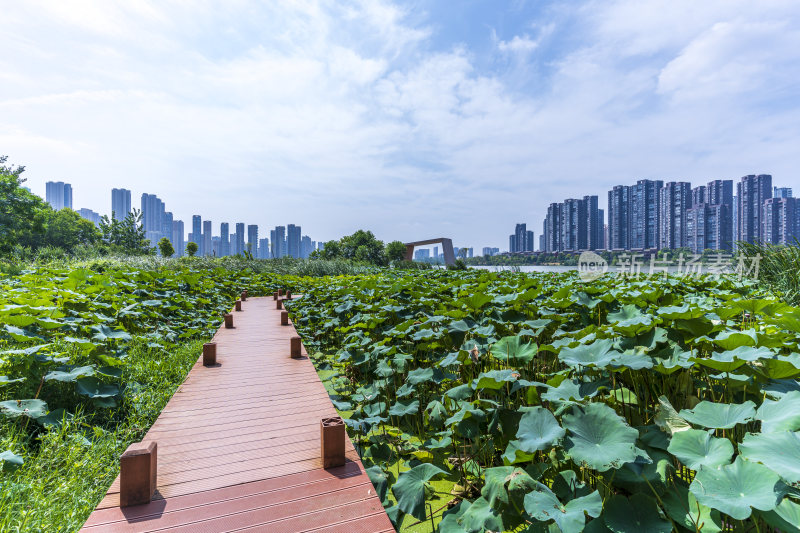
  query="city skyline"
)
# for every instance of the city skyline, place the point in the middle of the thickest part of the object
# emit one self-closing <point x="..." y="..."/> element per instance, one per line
<point x="345" y="117"/>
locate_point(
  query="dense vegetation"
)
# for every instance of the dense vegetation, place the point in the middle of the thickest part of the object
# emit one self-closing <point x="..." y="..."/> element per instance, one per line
<point x="88" y="358"/>
<point x="486" y="401"/>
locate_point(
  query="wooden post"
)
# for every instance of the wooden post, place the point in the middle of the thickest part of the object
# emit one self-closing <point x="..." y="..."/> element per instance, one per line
<point x="284" y="318"/>
<point x="210" y="354"/>
<point x="244" y="295"/>
<point x="237" y="305"/>
<point x="288" y="295"/>
<point x="228" y="320"/>
<point x="275" y="295"/>
<point x="331" y="432"/>
<point x="294" y="345"/>
<point x="279" y="304"/>
<point x="280" y="292"/>
<point x="137" y="474"/>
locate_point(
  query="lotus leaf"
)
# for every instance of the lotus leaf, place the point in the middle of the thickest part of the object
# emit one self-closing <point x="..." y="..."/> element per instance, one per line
<point x="17" y="408"/>
<point x="69" y="376"/>
<point x="513" y="350"/>
<point x="720" y="415"/>
<point x="599" y="438"/>
<point x="495" y="379"/>
<point x="780" y="415"/>
<point x="10" y="461"/>
<point x="538" y="430"/>
<point x="779" y="451"/>
<point x="544" y="506"/>
<point x="637" y="514"/>
<point x="598" y="354"/>
<point x="402" y="409"/>
<point x="731" y="339"/>
<point x="410" y="489"/>
<point x="785" y="517"/>
<point x="93" y="388"/>
<point x="696" y="448"/>
<point x="684" y="509"/>
<point x="480" y="517"/>
<point x="380" y="480"/>
<point x="738" y="488"/>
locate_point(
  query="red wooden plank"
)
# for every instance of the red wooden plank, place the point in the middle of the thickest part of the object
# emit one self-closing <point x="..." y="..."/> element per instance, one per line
<point x="239" y="446"/>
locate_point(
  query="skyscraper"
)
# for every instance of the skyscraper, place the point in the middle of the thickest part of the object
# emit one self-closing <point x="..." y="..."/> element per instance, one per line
<point x="594" y="222"/>
<point x="252" y="239"/>
<point x="553" y="227"/>
<point x="152" y="217"/>
<point x="618" y="218"/>
<point x="207" y="242"/>
<point x="293" y="236"/>
<point x="305" y="246"/>
<point x="240" y="248"/>
<point x="58" y="194"/>
<point x="644" y="226"/>
<point x="780" y="219"/>
<point x="90" y="215"/>
<point x="120" y="203"/>
<point x="224" y="240"/>
<point x="698" y="195"/>
<point x="263" y="249"/>
<point x="781" y="192"/>
<point x="675" y="199"/>
<point x="166" y="226"/>
<point x="196" y="236"/>
<point x="178" y="238"/>
<point x="709" y="227"/>
<point x="719" y="192"/>
<point x="751" y="192"/>
<point x="277" y="239"/>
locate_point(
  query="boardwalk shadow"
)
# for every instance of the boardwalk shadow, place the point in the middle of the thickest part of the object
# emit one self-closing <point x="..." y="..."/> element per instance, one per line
<point x="144" y="513"/>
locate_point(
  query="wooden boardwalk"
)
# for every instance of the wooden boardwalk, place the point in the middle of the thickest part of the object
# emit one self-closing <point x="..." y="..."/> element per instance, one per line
<point x="239" y="446"/>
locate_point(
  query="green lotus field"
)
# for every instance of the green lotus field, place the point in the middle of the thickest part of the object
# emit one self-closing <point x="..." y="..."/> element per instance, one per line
<point x="478" y="401"/>
<point x="504" y="402"/>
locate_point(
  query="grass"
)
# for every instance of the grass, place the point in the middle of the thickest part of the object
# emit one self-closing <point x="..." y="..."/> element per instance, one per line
<point x="68" y="470"/>
<point x="779" y="268"/>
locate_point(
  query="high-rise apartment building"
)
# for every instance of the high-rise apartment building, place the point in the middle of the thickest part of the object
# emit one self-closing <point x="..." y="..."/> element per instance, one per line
<point x="120" y="203"/>
<point x="552" y="223"/>
<point x="240" y="236"/>
<point x="698" y="195"/>
<point x="178" y="238"/>
<point x="709" y="227"/>
<point x="675" y="198"/>
<point x="594" y="223"/>
<point x="782" y="192"/>
<point x="573" y="225"/>
<point x="196" y="236"/>
<point x="152" y="217"/>
<point x="58" y="194"/>
<point x="521" y="240"/>
<point x="751" y="192"/>
<point x="780" y="220"/>
<point x="719" y="192"/>
<point x="224" y="240"/>
<point x="643" y="213"/>
<point x="207" y="238"/>
<point x="252" y="239"/>
<point x="90" y="215"/>
<point x="305" y="246"/>
<point x="166" y="226"/>
<point x="263" y="249"/>
<point x="277" y="238"/>
<point x="619" y="218"/>
<point x="293" y="237"/>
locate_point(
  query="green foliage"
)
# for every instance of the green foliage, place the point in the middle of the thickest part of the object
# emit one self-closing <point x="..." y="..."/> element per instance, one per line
<point x="165" y="247"/>
<point x="778" y="267"/>
<point x="127" y="236"/>
<point x="395" y="251"/>
<point x="22" y="214"/>
<point x="553" y="404"/>
<point x="361" y="246"/>
<point x="191" y="248"/>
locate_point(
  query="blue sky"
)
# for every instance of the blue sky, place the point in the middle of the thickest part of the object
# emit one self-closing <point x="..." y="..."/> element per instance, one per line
<point x="413" y="119"/>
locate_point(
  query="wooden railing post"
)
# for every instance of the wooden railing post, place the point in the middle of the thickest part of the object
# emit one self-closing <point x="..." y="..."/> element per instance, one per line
<point x="294" y="346"/>
<point x="138" y="474"/>
<point x="332" y="441"/>
<point x="284" y="318"/>
<point x="210" y="354"/>
<point x="228" y="320"/>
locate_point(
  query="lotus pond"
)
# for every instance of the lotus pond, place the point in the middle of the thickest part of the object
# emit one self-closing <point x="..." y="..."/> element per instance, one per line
<point x="533" y="402"/>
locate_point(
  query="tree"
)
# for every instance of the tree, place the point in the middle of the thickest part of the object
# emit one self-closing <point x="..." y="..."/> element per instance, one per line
<point x="396" y="251"/>
<point x="128" y="236"/>
<point x="22" y="214"/>
<point x="165" y="247"/>
<point x="67" y="229"/>
<point x="191" y="248"/>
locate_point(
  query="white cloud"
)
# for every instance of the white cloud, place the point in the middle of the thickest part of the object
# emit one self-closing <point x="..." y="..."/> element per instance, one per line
<point x="340" y="116"/>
